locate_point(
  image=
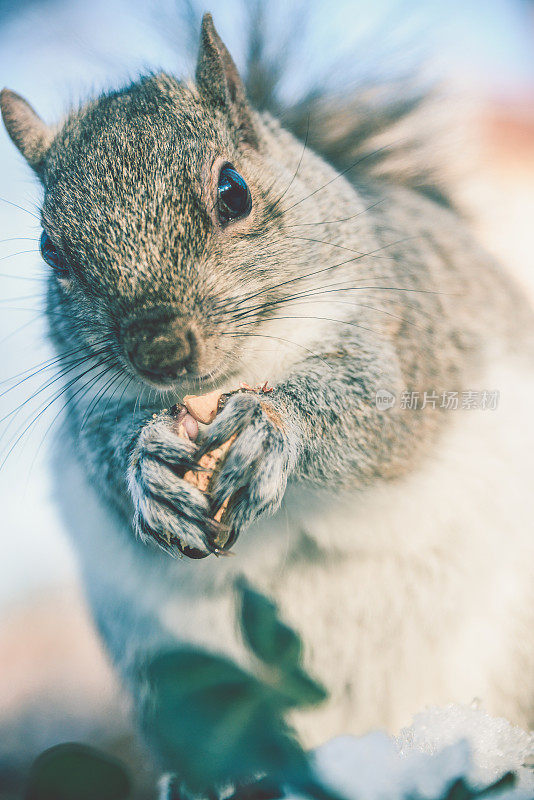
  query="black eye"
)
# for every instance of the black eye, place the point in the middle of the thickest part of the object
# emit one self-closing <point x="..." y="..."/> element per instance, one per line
<point x="52" y="256"/>
<point x="233" y="195"/>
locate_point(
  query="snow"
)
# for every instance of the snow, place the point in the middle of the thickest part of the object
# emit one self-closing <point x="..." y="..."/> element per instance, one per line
<point x="440" y="746"/>
<point x="496" y="745"/>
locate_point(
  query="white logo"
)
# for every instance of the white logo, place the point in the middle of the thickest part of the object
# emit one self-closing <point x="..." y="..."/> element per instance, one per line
<point x="384" y="399"/>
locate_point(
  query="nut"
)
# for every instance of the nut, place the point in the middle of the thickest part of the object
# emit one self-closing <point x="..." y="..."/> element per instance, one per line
<point x="204" y="408"/>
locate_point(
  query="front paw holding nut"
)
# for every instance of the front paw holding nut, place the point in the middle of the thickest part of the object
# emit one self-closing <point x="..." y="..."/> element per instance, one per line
<point x="197" y="499"/>
<point x="167" y="508"/>
<point x="252" y="477"/>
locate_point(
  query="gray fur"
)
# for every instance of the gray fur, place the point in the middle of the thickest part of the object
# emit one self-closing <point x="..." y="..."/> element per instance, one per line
<point x="403" y="298"/>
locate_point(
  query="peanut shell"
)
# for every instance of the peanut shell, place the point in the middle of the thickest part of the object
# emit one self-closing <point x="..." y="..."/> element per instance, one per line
<point x="203" y="407"/>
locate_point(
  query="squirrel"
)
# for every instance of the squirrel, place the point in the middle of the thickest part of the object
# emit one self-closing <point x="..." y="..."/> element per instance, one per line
<point x="195" y="241"/>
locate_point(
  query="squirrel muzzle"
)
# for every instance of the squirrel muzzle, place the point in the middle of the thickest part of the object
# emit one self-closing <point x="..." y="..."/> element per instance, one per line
<point x="161" y="349"/>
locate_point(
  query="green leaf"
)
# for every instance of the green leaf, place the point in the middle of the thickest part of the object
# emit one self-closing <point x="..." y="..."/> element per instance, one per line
<point x="459" y="791"/>
<point x="270" y="639"/>
<point x="298" y="689"/>
<point x="76" y="772"/>
<point x="278" y="646"/>
<point x="215" y="723"/>
<point x="507" y="781"/>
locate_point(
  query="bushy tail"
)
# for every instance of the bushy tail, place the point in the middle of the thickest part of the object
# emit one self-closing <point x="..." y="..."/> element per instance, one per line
<point x="388" y="128"/>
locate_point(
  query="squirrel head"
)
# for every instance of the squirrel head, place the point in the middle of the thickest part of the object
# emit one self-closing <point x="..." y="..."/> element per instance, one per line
<point x="160" y="213"/>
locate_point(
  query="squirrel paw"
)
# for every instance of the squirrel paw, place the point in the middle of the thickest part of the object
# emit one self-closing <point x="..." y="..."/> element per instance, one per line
<point x="168" y="510"/>
<point x="253" y="477"/>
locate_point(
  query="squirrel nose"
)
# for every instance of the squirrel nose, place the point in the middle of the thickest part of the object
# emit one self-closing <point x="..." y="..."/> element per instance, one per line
<point x="161" y="349"/>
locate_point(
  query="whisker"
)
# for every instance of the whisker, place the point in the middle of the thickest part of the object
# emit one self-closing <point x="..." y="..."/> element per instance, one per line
<point x="48" y="363"/>
<point x="341" y="246"/>
<point x="18" y="330"/>
<point x="119" y="401"/>
<point x="95" y="401"/>
<point x="21" y="208"/>
<point x="61" y="374"/>
<point x="22" y="308"/>
<point x="351" y="305"/>
<point x="122" y="380"/>
<point x="387" y="313"/>
<point x="18" y="239"/>
<point x="20" y="253"/>
<point x="22" y="297"/>
<point x="279" y="339"/>
<point x="138" y="400"/>
<point x="341" y="288"/>
<point x="235" y="359"/>
<point x="318" y="272"/>
<point x="312" y="291"/>
<point x="21" y="277"/>
<point x="60" y="412"/>
<point x="325" y="319"/>
<point x="335" y="221"/>
<point x="37" y="367"/>
<point x="288" y="187"/>
<point x="35" y="418"/>
<point x="47" y="384"/>
<point x="340" y="174"/>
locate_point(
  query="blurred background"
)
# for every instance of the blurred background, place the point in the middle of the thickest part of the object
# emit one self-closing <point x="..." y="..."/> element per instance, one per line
<point x="55" y="683"/>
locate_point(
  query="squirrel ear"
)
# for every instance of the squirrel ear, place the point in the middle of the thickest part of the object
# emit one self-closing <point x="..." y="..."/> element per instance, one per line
<point x="25" y="127"/>
<point x="219" y="82"/>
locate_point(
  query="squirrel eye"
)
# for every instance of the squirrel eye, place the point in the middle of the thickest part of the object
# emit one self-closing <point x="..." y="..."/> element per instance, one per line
<point x="233" y="195"/>
<point x="52" y="256"/>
